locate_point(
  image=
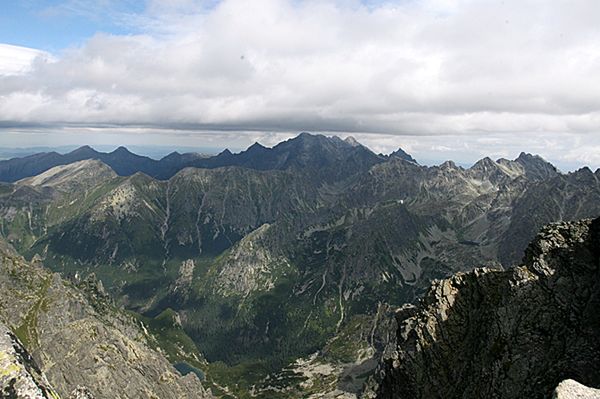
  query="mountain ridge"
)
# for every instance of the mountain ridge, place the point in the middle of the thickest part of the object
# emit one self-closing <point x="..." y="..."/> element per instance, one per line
<point x="263" y="264"/>
<point x="70" y="338"/>
<point x="295" y="152"/>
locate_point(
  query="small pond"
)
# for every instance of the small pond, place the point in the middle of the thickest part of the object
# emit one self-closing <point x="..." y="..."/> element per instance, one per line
<point x="185" y="368"/>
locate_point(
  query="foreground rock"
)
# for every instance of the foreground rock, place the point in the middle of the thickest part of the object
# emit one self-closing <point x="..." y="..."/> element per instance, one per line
<point x="504" y="334"/>
<point x="19" y="376"/>
<point x="569" y="389"/>
<point x="74" y="337"/>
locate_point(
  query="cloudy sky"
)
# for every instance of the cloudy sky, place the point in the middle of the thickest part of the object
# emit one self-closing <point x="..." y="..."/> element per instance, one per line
<point x="443" y="79"/>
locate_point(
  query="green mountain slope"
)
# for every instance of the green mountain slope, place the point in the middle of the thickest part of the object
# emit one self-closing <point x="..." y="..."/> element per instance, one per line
<point x="261" y="267"/>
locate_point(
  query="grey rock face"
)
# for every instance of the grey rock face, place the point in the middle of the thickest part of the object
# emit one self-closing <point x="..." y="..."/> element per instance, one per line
<point x="81" y="393"/>
<point x="85" y="346"/>
<point x="19" y="376"/>
<point x="504" y="334"/>
<point x="569" y="389"/>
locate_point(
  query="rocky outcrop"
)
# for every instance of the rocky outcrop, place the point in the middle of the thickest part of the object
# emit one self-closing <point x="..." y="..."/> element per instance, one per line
<point x="400" y="153"/>
<point x="569" y="389"/>
<point x="82" y="343"/>
<point x="503" y="334"/>
<point x="19" y="375"/>
<point x="250" y="266"/>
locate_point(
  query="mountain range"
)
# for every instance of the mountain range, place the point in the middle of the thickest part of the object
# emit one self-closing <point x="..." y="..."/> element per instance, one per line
<point x="304" y="151"/>
<point x="277" y="262"/>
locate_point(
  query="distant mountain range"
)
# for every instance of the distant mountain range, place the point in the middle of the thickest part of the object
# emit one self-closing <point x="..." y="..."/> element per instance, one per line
<point x="273" y="254"/>
<point x="304" y="151"/>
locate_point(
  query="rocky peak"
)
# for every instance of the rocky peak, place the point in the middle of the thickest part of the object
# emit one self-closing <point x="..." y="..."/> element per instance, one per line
<point x="448" y="165"/>
<point x="584" y="175"/>
<point x="121" y="150"/>
<point x="75" y="176"/>
<point x="536" y="167"/>
<point x="489" y="170"/>
<point x="352" y="141"/>
<point x="173" y="156"/>
<point x="400" y="153"/>
<point x="307" y="140"/>
<point x="85" y="151"/>
<point x="257" y="148"/>
<point x="485" y="164"/>
<point x="225" y="153"/>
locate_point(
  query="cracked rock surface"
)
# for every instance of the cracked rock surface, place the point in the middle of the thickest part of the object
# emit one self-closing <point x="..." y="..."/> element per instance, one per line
<point x="19" y="376"/>
<point x="504" y="334"/>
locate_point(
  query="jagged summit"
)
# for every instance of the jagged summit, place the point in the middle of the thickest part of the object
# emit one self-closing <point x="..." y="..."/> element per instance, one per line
<point x="400" y="153"/>
<point x="448" y="165"/>
<point x="528" y="157"/>
<point x="306" y="139"/>
<point x="485" y="164"/>
<point x="536" y="167"/>
<point x="307" y="136"/>
<point x="352" y="141"/>
<point x="533" y="167"/>
<point x="255" y="147"/>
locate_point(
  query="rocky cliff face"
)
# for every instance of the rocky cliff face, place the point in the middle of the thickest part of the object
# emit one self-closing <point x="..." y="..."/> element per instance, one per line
<point x="504" y="334"/>
<point x="78" y="340"/>
<point x="19" y="375"/>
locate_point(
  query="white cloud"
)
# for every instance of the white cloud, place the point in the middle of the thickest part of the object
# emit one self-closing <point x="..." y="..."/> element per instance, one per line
<point x="17" y="60"/>
<point x="510" y="69"/>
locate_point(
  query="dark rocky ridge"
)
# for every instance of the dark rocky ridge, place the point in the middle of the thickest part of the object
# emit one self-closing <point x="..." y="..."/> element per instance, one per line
<point x="400" y="153"/>
<point x="317" y="153"/>
<point x="504" y="334"/>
